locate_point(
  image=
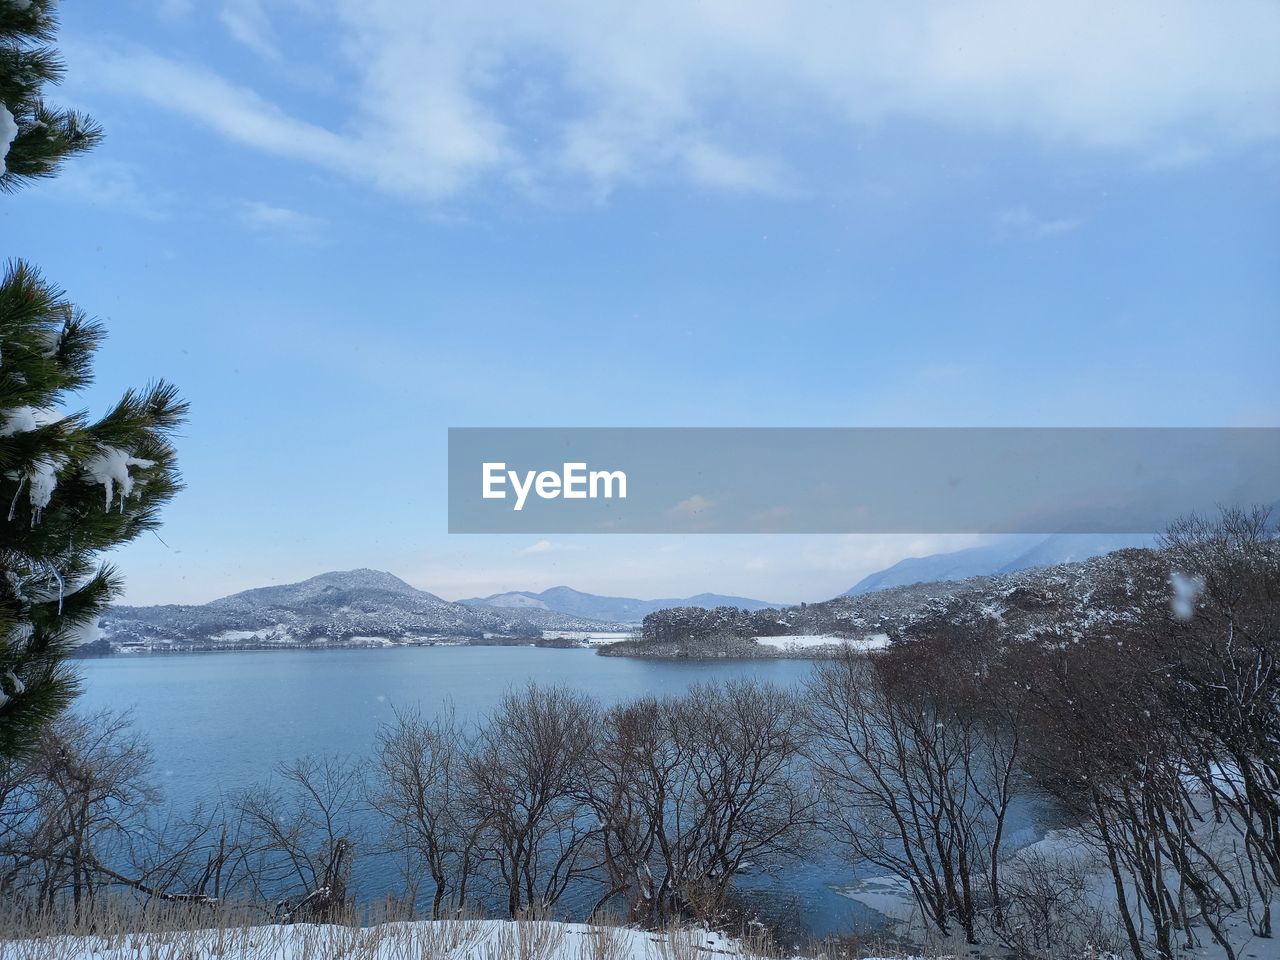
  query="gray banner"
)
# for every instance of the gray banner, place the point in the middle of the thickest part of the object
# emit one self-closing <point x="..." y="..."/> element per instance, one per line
<point x="854" y="480"/>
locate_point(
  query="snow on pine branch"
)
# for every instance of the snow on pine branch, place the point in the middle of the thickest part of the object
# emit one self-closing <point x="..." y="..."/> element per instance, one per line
<point x="111" y="469"/>
<point x="26" y="419"/>
<point x="8" y="132"/>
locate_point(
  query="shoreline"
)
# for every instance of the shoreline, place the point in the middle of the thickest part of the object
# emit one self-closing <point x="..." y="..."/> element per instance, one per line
<point x="766" y="653"/>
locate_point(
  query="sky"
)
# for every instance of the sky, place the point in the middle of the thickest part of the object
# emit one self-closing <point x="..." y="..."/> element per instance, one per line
<point x="343" y="226"/>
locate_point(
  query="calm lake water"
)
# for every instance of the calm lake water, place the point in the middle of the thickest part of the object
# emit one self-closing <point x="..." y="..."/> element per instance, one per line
<point x="221" y="721"/>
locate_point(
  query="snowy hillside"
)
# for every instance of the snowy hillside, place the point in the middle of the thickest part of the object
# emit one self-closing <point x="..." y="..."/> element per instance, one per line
<point x="352" y="607"/>
<point x="1041" y="603"/>
<point x="1007" y="555"/>
<point x="575" y="603"/>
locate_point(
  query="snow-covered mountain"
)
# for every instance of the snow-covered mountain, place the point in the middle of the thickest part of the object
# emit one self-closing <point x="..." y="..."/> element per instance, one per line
<point x="1007" y="555"/>
<point x="1051" y="604"/>
<point x="343" y="607"/>
<point x="566" y="600"/>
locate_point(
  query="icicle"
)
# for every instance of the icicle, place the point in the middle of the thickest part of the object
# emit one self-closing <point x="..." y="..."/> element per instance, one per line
<point x="13" y="506"/>
<point x="53" y="572"/>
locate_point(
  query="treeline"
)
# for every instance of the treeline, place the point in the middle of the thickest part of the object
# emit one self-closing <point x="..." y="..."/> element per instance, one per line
<point x="1155" y="735"/>
<point x="1045" y="600"/>
<point x="702" y="633"/>
<point x="657" y="803"/>
<point x="693" y="631"/>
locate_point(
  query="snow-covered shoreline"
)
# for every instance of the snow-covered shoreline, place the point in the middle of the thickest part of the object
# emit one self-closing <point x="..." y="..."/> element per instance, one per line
<point x="797" y="641"/>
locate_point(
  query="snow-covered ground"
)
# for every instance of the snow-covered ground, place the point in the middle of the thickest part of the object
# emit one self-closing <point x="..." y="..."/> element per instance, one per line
<point x="272" y="634"/>
<point x="455" y="939"/>
<point x="592" y="638"/>
<point x="1068" y="853"/>
<point x="798" y="641"/>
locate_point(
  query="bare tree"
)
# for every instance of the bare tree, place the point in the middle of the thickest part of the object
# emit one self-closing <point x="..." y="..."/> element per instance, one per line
<point x="1226" y="668"/>
<point x="525" y="791"/>
<point x="916" y="781"/>
<point x="1160" y="731"/>
<point x="690" y="791"/>
<point x="299" y="836"/>
<point x="1103" y="744"/>
<point x="67" y="811"/>
<point x="195" y="857"/>
<point x="1050" y="909"/>
<point x="418" y="787"/>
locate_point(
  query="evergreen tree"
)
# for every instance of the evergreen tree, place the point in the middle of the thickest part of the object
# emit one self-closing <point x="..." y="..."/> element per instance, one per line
<point x="70" y="488"/>
<point x="34" y="137"/>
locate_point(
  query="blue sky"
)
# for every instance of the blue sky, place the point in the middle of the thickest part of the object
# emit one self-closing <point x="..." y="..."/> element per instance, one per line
<point x="342" y="227"/>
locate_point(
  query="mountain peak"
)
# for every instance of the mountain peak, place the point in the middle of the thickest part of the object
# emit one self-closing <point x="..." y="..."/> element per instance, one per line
<point x="333" y="582"/>
<point x="364" y="578"/>
<point x="571" y="602"/>
<point x="1007" y="554"/>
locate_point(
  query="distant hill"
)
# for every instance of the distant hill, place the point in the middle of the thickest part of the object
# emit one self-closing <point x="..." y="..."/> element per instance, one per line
<point x="566" y="600"/>
<point x="350" y="607"/>
<point x="1008" y="555"/>
<point x="1051" y="604"/>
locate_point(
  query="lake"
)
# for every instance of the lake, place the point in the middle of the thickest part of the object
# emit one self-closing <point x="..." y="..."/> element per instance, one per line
<point x="221" y="721"/>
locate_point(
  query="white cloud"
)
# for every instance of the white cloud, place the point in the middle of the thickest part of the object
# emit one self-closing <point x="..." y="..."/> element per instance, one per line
<point x="246" y="21"/>
<point x="1022" y="221"/>
<point x="1179" y="154"/>
<point x="234" y="111"/>
<point x="174" y="8"/>
<point x="417" y="158"/>
<point x="604" y="92"/>
<point x="109" y="184"/>
<point x="546" y="546"/>
<point x="267" y="216"/>
<point x="694" y="506"/>
<point x="715" y="167"/>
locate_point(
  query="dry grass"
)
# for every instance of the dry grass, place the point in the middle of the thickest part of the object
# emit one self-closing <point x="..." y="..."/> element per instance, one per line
<point x="602" y="941"/>
<point x="128" y="930"/>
